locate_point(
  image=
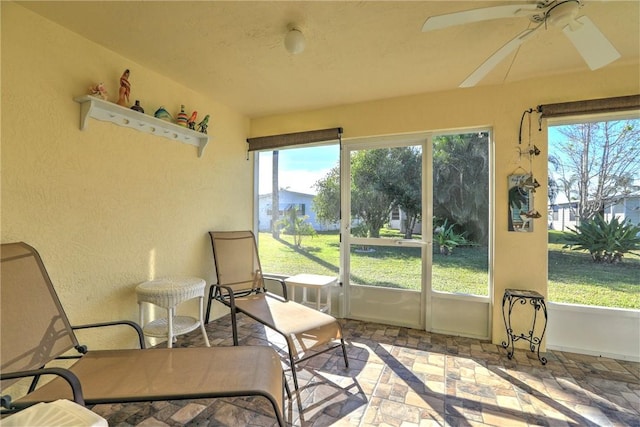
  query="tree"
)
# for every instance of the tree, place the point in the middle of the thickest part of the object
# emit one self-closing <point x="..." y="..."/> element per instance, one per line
<point x="461" y="182"/>
<point x="596" y="163"/>
<point x="385" y="178"/>
<point x="405" y="185"/>
<point x="381" y="179"/>
<point x="554" y="188"/>
<point x="371" y="173"/>
<point x="275" y="199"/>
<point x="326" y="203"/>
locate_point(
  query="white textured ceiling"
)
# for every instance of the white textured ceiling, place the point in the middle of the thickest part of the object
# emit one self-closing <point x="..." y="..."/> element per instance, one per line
<point x="355" y="50"/>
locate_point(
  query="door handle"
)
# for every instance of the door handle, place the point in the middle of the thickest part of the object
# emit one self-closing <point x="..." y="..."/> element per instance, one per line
<point x="401" y="242"/>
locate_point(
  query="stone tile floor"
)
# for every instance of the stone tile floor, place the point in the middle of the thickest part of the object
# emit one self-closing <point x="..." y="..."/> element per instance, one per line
<point x="404" y="377"/>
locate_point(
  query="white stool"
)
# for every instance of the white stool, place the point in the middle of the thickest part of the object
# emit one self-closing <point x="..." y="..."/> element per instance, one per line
<point x="169" y="292"/>
<point x="312" y="281"/>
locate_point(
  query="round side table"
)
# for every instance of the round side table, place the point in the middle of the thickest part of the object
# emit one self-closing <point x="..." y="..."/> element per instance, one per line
<point x="168" y="293"/>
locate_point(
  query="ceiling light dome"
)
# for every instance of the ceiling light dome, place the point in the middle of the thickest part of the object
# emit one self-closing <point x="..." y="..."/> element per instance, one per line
<point x="294" y="41"/>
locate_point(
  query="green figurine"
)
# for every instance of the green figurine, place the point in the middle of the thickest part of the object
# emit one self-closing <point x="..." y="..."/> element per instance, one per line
<point x="202" y="126"/>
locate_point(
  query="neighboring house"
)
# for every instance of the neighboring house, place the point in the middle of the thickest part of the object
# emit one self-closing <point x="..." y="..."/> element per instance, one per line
<point x="562" y="215"/>
<point x="397" y="221"/>
<point x="287" y="200"/>
<point x="627" y="208"/>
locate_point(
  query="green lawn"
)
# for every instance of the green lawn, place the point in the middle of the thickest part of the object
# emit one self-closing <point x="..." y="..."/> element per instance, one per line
<point x="573" y="277"/>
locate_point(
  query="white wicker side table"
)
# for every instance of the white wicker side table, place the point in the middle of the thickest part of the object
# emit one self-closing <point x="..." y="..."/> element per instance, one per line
<point x="168" y="293"/>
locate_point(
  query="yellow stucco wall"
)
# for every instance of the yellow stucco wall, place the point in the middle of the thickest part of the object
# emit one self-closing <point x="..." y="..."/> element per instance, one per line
<point x="519" y="259"/>
<point x="109" y="207"/>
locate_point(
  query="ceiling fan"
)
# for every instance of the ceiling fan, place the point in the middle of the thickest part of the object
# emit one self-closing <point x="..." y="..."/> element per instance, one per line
<point x="592" y="45"/>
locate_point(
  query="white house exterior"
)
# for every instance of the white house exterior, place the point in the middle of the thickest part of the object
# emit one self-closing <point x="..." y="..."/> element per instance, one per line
<point x="397" y="221"/>
<point x="627" y="208"/>
<point x="288" y="199"/>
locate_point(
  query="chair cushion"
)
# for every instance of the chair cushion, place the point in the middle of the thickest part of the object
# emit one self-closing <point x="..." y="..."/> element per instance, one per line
<point x="306" y="327"/>
<point x="113" y="376"/>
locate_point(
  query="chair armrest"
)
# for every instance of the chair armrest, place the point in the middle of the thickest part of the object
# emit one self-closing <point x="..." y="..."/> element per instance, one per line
<point x="279" y="280"/>
<point x="230" y="296"/>
<point x="134" y="325"/>
<point x="66" y="374"/>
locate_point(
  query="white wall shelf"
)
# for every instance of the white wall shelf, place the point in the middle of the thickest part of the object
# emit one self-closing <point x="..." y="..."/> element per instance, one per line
<point x="99" y="109"/>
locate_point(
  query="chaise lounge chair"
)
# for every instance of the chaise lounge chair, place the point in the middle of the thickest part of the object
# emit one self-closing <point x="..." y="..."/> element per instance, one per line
<point x="36" y="330"/>
<point x="241" y="286"/>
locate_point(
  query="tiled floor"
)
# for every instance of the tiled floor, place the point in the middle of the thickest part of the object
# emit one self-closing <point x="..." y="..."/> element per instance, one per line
<point x="404" y="377"/>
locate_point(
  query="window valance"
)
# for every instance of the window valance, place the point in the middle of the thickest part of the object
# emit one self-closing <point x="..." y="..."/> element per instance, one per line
<point x="292" y="139"/>
<point x="591" y="106"/>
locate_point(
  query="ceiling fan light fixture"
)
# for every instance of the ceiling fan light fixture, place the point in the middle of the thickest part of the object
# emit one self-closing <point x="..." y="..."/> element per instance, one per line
<point x="596" y="50"/>
<point x="564" y="13"/>
<point x="294" y="41"/>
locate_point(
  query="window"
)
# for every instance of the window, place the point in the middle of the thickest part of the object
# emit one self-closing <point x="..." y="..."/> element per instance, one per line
<point x="304" y="235"/>
<point x="594" y="167"/>
<point x="308" y="197"/>
<point x="461" y="213"/>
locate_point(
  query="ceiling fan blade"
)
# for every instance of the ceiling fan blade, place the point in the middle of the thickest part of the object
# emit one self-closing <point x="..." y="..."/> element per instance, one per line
<point x="476" y="15"/>
<point x="496" y="58"/>
<point x="596" y="50"/>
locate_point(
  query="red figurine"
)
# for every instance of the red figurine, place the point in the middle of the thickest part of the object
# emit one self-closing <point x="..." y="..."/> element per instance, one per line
<point x="125" y="89"/>
<point x="191" y="123"/>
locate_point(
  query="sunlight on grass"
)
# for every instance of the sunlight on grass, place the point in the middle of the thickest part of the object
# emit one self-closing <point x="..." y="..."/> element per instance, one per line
<point x="318" y="255"/>
<point x="573" y="277"/>
<point x="397" y="267"/>
<point x="464" y="271"/>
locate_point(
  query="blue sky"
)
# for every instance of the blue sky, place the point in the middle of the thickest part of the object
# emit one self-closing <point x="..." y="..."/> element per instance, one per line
<point x="555" y="137"/>
<point x="299" y="168"/>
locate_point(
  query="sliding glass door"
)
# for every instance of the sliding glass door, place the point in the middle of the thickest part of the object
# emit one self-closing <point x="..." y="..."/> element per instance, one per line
<point x="416" y="231"/>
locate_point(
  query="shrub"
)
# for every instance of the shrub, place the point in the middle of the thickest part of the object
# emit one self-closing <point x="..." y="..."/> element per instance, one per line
<point x="447" y="238"/>
<point x="605" y="241"/>
<point x="296" y="225"/>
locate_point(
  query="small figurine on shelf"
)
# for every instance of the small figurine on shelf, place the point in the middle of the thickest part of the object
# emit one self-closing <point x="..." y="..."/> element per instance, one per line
<point x="182" y="119"/>
<point x="204" y="124"/>
<point x="99" y="91"/>
<point x="137" y="107"/>
<point x="125" y="89"/>
<point x="163" y="114"/>
<point x="191" y="123"/>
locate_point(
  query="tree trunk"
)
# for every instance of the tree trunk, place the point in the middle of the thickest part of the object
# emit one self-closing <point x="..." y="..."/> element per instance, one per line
<point x="275" y="197"/>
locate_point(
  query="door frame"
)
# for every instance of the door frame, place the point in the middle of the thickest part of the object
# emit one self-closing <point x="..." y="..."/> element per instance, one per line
<point x="424" y="140"/>
<point x="439" y="311"/>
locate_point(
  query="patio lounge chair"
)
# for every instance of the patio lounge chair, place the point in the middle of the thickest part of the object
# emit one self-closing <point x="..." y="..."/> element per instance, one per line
<point x="241" y="286"/>
<point x="36" y="330"/>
